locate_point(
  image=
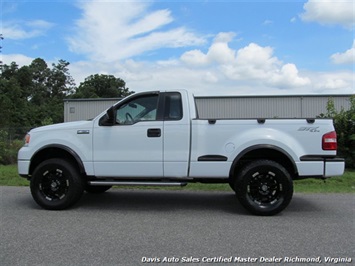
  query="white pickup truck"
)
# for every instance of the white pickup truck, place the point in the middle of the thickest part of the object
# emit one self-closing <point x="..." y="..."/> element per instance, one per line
<point x="156" y="138"/>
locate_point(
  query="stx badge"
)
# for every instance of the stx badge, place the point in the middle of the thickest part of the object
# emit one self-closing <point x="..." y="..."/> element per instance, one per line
<point x="309" y="129"/>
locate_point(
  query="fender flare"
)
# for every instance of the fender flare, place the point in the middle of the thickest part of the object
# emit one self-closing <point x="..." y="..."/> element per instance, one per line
<point x="64" y="148"/>
<point x="259" y="147"/>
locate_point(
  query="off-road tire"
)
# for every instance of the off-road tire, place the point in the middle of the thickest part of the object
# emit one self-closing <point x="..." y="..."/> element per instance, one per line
<point x="56" y="184"/>
<point x="264" y="187"/>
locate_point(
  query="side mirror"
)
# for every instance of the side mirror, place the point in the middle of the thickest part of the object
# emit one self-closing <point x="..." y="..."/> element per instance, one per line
<point x="109" y="118"/>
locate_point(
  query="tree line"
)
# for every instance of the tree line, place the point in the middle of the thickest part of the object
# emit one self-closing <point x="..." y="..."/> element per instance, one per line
<point x="32" y="96"/>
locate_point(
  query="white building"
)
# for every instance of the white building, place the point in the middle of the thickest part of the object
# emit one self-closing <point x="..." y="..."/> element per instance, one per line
<point x="290" y="106"/>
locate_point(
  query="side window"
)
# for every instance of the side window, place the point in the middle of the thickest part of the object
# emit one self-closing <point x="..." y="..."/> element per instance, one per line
<point x="143" y="108"/>
<point x="173" y="106"/>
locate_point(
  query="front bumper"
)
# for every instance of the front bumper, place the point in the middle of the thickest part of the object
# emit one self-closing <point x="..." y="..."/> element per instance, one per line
<point x="23" y="167"/>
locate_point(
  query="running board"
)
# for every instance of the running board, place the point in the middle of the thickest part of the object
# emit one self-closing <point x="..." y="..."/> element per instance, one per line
<point x="135" y="183"/>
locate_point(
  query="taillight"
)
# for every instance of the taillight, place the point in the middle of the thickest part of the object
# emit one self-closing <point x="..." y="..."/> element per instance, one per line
<point x="329" y="141"/>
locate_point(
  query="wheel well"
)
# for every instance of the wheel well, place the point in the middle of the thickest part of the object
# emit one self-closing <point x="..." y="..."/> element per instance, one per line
<point x="56" y="152"/>
<point x="273" y="154"/>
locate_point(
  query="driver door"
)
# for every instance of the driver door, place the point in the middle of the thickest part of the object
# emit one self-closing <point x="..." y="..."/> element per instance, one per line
<point x="133" y="145"/>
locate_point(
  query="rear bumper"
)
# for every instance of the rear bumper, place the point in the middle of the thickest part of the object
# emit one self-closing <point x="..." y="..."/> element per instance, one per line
<point x="334" y="167"/>
<point x="322" y="167"/>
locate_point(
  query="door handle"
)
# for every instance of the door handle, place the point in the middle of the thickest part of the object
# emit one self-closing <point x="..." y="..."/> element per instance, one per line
<point x="154" y="133"/>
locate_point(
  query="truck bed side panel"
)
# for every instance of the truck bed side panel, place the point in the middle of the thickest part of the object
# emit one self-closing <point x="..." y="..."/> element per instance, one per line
<point x="228" y="138"/>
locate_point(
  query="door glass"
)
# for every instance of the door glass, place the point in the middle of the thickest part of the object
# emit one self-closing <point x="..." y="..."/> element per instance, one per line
<point x="173" y="106"/>
<point x="142" y="108"/>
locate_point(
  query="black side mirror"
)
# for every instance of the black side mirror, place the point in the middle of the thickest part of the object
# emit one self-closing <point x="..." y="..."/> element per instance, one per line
<point x="109" y="118"/>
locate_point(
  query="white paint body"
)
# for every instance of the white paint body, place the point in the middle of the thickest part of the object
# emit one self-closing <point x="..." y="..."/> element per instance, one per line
<point x="125" y="151"/>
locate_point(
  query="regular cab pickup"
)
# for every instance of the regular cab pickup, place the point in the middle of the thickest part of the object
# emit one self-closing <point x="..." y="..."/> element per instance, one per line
<point x="156" y="138"/>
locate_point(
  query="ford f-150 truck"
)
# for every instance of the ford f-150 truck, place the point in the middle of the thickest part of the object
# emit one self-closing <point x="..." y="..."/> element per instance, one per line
<point x="156" y="138"/>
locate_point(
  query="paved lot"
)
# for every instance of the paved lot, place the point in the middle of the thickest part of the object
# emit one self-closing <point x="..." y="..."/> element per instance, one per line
<point x="124" y="227"/>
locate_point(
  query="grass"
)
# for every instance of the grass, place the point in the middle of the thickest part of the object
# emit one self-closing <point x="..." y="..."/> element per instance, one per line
<point x="340" y="184"/>
<point x="10" y="177"/>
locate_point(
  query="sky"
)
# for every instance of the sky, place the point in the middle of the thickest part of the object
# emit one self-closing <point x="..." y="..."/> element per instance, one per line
<point x="274" y="47"/>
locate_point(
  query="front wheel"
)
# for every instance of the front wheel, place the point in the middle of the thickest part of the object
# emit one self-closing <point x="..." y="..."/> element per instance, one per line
<point x="264" y="187"/>
<point x="56" y="184"/>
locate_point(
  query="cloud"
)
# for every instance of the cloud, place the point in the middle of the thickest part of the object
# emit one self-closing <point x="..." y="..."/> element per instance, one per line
<point x="258" y="63"/>
<point x="332" y="82"/>
<point x="252" y="62"/>
<point x="219" y="52"/>
<point x="252" y="69"/>
<point x="287" y="77"/>
<point x="110" y="31"/>
<point x="20" y="59"/>
<point x="275" y="78"/>
<point x="330" y="12"/>
<point x="267" y="22"/>
<point x="19" y="30"/>
<point x="348" y="57"/>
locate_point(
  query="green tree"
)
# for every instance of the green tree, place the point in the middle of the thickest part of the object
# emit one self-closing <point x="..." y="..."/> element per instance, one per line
<point x="48" y="89"/>
<point x="1" y="38"/>
<point x="344" y="123"/>
<point x="33" y="95"/>
<point x="13" y="102"/>
<point x="102" y="86"/>
<point x="39" y="92"/>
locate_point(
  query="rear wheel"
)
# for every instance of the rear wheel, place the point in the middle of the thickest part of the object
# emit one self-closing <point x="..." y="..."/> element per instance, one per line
<point x="56" y="184"/>
<point x="264" y="187"/>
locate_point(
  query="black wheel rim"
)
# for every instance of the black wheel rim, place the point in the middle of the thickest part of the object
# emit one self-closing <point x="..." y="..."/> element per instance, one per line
<point x="264" y="188"/>
<point x="54" y="184"/>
